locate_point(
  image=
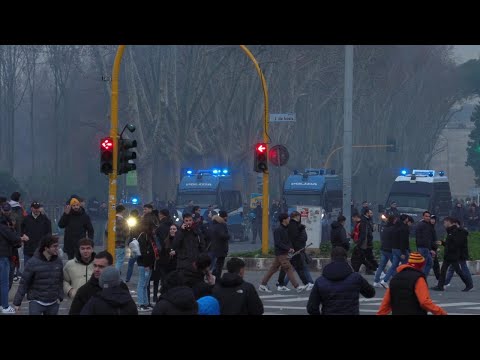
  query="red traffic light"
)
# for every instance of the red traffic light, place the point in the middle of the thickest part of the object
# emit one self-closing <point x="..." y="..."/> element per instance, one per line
<point x="261" y="148"/>
<point x="107" y="144"/>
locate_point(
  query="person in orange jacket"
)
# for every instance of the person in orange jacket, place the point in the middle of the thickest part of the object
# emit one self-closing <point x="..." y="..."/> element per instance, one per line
<point x="408" y="292"/>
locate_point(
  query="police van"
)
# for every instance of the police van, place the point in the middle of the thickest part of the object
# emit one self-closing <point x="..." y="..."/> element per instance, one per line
<point x="419" y="191"/>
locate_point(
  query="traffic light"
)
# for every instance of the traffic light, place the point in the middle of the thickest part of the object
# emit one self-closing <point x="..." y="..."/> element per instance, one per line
<point x="260" y="158"/>
<point x="392" y="145"/>
<point x="106" y="155"/>
<point x="124" y="155"/>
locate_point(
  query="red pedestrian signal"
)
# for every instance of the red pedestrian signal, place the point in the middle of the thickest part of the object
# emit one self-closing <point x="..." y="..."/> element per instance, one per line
<point x="260" y="158"/>
<point x="106" y="155"/>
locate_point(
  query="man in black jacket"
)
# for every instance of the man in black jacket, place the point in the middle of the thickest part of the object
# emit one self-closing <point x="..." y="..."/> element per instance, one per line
<point x="77" y="226"/>
<point x="42" y="279"/>
<point x="298" y="236"/>
<point x="453" y="248"/>
<point x="101" y="261"/>
<point x="424" y="239"/>
<point x="338" y="235"/>
<point x="8" y="240"/>
<point x="283" y="247"/>
<point x="219" y="237"/>
<point x="400" y="246"/>
<point x="338" y="289"/>
<point x="386" y="238"/>
<point x="112" y="299"/>
<point x="236" y="296"/>
<point x="35" y="226"/>
<point x="188" y="244"/>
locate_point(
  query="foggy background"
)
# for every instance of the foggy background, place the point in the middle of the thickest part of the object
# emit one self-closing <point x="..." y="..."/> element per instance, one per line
<point x="201" y="106"/>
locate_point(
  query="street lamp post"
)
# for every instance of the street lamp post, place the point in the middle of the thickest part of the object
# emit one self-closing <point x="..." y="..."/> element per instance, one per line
<point x="347" y="136"/>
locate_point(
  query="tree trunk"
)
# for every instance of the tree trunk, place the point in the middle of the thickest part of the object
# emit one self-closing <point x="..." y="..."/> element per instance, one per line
<point x="145" y="182"/>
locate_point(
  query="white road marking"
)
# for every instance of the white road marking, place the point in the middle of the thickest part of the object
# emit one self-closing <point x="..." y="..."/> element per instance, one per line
<point x="286" y="307"/>
<point x="275" y="296"/>
<point x="458" y="304"/>
<point x="289" y="300"/>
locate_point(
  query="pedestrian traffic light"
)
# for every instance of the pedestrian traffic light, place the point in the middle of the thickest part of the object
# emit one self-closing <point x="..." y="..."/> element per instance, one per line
<point x="125" y="155"/>
<point x="260" y="158"/>
<point x="106" y="155"/>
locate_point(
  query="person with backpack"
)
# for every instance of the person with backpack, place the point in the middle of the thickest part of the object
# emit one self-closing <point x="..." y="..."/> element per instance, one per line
<point x="235" y="295"/>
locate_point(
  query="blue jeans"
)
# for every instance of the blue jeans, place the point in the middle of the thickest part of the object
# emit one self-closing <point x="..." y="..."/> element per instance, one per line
<point x="4" y="280"/>
<point x="37" y="309"/>
<point x="119" y="258"/>
<point x="214" y="261"/>
<point x="428" y="260"/>
<point x="465" y="270"/>
<point x="143" y="281"/>
<point x="306" y="272"/>
<point x="396" y="260"/>
<point x="131" y="265"/>
<point x="386" y="256"/>
<point x="25" y="259"/>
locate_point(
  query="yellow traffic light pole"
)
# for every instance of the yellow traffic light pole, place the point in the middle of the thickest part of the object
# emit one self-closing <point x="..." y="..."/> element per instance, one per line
<point x="265" y="196"/>
<point x="112" y="179"/>
<point x="112" y="185"/>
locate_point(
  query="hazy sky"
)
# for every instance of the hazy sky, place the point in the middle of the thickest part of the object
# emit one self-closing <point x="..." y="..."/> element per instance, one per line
<point x="467" y="52"/>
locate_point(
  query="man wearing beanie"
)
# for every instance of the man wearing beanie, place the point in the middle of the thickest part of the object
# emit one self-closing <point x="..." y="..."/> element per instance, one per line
<point x="77" y="225"/>
<point x="113" y="299"/>
<point x="408" y="292"/>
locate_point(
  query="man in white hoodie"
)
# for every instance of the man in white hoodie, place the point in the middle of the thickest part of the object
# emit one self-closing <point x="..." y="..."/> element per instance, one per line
<point x="78" y="270"/>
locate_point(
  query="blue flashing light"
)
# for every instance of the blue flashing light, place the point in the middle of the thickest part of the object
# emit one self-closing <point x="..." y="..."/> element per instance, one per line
<point x="225" y="171"/>
<point x="404" y="172"/>
<point x="430" y="174"/>
<point x="441" y="173"/>
<point x="134" y="200"/>
<point x="189" y="172"/>
<point x="215" y="171"/>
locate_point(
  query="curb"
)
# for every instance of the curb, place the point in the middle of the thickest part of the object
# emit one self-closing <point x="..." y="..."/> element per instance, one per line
<point x="317" y="264"/>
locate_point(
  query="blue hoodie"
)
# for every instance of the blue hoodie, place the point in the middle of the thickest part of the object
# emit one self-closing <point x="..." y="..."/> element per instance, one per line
<point x="208" y="305"/>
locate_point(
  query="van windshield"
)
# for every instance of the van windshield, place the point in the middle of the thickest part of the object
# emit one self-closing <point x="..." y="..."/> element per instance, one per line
<point x="410" y="202"/>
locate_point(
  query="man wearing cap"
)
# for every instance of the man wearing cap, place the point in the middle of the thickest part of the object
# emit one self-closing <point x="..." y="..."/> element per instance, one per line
<point x="35" y="226"/>
<point x="77" y="225"/>
<point x="408" y="292"/>
<point x="113" y="299"/>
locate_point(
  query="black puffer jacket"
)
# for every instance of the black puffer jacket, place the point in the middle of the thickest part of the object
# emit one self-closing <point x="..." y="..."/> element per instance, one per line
<point x="77" y="225"/>
<point x="237" y="297"/>
<point x="281" y="240"/>
<point x="297" y="234"/>
<point x="41" y="280"/>
<point x="85" y="292"/>
<point x="8" y="241"/>
<point x="338" y="236"/>
<point x="386" y="237"/>
<point x="176" y="301"/>
<point x="111" y="301"/>
<point x="35" y="229"/>
<point x="219" y="237"/>
<point x="188" y="244"/>
<point x="337" y="290"/>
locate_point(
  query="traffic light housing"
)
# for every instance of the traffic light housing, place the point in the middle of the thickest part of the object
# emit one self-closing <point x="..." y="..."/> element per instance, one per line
<point x="260" y="158"/>
<point x="124" y="155"/>
<point x="106" y="155"/>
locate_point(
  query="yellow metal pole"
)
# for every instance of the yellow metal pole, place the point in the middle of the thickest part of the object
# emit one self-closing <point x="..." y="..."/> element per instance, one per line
<point x="355" y="146"/>
<point x="265" y="196"/>
<point x="112" y="184"/>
